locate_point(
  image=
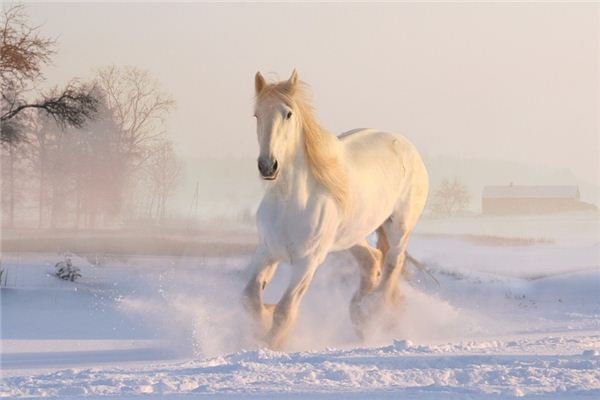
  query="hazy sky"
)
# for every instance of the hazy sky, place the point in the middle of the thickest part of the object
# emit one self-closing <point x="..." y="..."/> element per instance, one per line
<point x="508" y="82"/>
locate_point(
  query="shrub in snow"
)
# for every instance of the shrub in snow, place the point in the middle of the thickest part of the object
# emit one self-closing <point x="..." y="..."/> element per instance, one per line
<point x="66" y="270"/>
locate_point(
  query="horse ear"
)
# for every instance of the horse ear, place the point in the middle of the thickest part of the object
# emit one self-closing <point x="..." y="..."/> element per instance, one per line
<point x="293" y="81"/>
<point x="259" y="82"/>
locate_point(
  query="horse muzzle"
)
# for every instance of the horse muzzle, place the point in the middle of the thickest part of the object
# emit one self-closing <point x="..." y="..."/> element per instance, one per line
<point x="268" y="168"/>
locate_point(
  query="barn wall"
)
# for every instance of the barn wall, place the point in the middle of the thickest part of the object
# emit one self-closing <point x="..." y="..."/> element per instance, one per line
<point x="506" y="206"/>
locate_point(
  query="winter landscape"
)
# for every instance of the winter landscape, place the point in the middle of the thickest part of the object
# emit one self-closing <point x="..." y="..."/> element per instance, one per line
<point x="509" y="318"/>
<point x="131" y="178"/>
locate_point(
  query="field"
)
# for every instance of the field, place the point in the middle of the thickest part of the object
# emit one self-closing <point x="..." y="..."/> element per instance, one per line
<point x="516" y="313"/>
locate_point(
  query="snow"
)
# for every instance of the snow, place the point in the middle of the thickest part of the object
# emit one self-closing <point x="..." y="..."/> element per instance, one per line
<point x="516" y="320"/>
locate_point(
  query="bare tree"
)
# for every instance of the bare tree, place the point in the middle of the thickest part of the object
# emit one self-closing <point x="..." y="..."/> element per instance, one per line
<point x="99" y="170"/>
<point x="23" y="54"/>
<point x="73" y="105"/>
<point x="40" y="139"/>
<point x="47" y="165"/>
<point x="87" y="173"/>
<point x="139" y="106"/>
<point x="14" y="168"/>
<point x="77" y="175"/>
<point x="164" y="172"/>
<point x="75" y="168"/>
<point x="24" y="50"/>
<point x="451" y="197"/>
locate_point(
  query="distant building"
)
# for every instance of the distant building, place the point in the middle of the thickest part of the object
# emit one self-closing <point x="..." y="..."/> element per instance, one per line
<point x="517" y="199"/>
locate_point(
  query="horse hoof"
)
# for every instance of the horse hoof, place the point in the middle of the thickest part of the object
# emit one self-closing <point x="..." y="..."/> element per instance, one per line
<point x="376" y="311"/>
<point x="266" y="318"/>
<point x="362" y="312"/>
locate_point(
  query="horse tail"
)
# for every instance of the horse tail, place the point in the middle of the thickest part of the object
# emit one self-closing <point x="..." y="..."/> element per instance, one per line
<point x="421" y="266"/>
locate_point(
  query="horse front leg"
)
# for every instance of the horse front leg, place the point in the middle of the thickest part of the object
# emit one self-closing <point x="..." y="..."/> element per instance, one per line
<point x="263" y="267"/>
<point x="286" y="310"/>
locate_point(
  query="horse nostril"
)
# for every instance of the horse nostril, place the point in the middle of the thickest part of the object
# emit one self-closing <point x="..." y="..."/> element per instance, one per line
<point x="260" y="167"/>
<point x="267" y="166"/>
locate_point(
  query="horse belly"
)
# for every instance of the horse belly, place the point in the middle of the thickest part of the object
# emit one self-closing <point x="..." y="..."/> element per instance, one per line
<point x="373" y="204"/>
<point x="379" y="178"/>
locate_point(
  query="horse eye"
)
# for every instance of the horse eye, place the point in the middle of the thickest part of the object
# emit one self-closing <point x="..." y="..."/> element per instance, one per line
<point x="289" y="115"/>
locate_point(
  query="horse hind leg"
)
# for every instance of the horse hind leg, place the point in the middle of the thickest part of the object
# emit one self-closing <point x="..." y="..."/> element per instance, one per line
<point x="383" y="245"/>
<point x="369" y="261"/>
<point x="397" y="229"/>
<point x="397" y="235"/>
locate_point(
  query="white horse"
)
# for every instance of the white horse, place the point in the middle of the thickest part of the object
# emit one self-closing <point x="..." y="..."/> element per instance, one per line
<point x="328" y="193"/>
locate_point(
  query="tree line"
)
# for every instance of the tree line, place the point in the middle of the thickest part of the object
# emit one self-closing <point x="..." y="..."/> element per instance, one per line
<point x="90" y="154"/>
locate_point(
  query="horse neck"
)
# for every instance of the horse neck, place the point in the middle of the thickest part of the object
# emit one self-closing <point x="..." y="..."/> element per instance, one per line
<point x="296" y="180"/>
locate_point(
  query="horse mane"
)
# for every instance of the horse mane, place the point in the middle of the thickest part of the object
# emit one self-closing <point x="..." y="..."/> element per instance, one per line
<point x="320" y="146"/>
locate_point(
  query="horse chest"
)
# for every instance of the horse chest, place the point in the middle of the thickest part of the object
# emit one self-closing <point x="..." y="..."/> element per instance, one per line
<point x="292" y="231"/>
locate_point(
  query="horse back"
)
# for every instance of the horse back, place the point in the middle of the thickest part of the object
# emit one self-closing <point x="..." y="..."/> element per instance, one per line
<point x="386" y="174"/>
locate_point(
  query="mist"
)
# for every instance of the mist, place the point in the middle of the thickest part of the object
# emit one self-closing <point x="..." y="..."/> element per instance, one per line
<point x="511" y="91"/>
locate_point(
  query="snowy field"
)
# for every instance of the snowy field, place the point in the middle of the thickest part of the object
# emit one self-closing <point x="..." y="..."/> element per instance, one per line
<point x="510" y="318"/>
